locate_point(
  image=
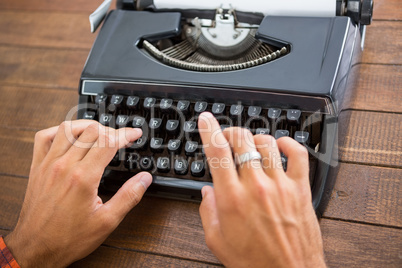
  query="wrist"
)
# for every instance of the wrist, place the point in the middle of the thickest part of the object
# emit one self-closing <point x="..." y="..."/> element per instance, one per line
<point x="19" y="250"/>
<point x="27" y="250"/>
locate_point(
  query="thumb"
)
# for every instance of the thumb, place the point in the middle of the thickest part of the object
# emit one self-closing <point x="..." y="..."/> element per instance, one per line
<point x="208" y="211"/>
<point x="129" y="195"/>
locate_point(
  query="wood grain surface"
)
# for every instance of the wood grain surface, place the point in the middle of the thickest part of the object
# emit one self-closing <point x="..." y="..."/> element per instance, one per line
<point x="376" y="88"/>
<point x="44" y="29"/>
<point x="367" y="194"/>
<point x="362" y="140"/>
<point x="383" y="43"/>
<point x="43" y="48"/>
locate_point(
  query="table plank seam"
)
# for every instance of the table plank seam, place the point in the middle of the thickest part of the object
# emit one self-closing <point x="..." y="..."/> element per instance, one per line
<point x="56" y="11"/>
<point x="5" y="229"/>
<point x="370" y="111"/>
<point x="13" y="175"/>
<point x="391" y="20"/>
<point x="43" y="86"/>
<point x="362" y="222"/>
<point x="45" y="47"/>
<point x="161" y="254"/>
<point x="375" y="63"/>
<point x="369" y="164"/>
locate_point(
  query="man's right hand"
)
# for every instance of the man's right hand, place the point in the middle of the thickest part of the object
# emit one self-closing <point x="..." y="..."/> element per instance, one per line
<point x="258" y="215"/>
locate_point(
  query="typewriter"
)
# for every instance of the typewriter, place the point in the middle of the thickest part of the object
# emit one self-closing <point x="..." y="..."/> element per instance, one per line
<point x="274" y="67"/>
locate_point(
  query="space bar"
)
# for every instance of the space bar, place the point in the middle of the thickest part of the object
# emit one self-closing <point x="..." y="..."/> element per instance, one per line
<point x="179" y="183"/>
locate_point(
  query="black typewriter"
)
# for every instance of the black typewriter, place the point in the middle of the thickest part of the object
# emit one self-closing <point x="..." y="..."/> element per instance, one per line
<point x="275" y="71"/>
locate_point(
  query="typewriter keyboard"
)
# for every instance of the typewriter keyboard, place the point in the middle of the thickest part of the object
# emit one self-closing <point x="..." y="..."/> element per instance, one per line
<point x="171" y="146"/>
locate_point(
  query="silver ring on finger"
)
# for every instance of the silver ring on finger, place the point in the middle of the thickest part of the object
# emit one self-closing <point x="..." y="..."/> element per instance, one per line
<point x="246" y="157"/>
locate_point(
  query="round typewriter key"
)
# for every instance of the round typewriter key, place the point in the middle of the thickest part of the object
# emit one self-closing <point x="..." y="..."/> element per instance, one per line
<point x="200" y="106"/>
<point x="263" y="131"/>
<point x="274" y="113"/>
<point x="156" y="145"/>
<point x="254" y="111"/>
<point x="183" y="106"/>
<point x="149" y="103"/>
<point x="163" y="164"/>
<point x="236" y="110"/>
<point x="281" y="133"/>
<point x="166" y="105"/>
<point x="100" y="99"/>
<point x="173" y="127"/>
<point x="138" y="122"/>
<point x="106" y="119"/>
<point x="89" y="115"/>
<point x="293" y="116"/>
<point x="218" y="108"/>
<point x="155" y="124"/>
<point x="174" y="146"/>
<point x="197" y="168"/>
<point x="140" y="143"/>
<point x="116" y="100"/>
<point x="146" y="163"/>
<point x="132" y="102"/>
<point x="302" y="137"/>
<point x="191" y="148"/>
<point x="181" y="166"/>
<point x="122" y="120"/>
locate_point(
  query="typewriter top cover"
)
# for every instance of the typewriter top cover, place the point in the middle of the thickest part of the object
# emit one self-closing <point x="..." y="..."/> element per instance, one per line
<point x="311" y="55"/>
<point x="291" y="53"/>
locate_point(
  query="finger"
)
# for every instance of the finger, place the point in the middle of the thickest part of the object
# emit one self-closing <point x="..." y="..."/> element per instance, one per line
<point x="271" y="158"/>
<point x="108" y="143"/>
<point x="85" y="142"/>
<point x="67" y="134"/>
<point x="218" y="153"/>
<point x="209" y="218"/>
<point x="241" y="141"/>
<point x="43" y="142"/>
<point x="128" y="196"/>
<point x="298" y="163"/>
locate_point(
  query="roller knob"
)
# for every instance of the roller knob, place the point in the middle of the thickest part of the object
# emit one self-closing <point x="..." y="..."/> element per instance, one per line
<point x="366" y="12"/>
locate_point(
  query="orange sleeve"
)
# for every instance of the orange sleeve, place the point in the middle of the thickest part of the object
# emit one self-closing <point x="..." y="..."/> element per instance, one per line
<point x="6" y="258"/>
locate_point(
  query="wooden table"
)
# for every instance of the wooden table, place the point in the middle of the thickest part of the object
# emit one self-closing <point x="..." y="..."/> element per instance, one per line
<point x="43" y="47"/>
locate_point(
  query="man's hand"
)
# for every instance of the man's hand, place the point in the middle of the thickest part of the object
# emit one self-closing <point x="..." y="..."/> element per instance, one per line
<point x="257" y="215"/>
<point x="62" y="218"/>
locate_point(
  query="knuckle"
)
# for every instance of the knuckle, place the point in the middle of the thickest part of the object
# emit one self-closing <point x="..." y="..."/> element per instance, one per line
<point x="77" y="176"/>
<point x="65" y="125"/>
<point x="94" y="128"/>
<point x="263" y="140"/>
<point x="58" y="167"/>
<point x="262" y="189"/>
<point x="40" y="135"/>
<point x="302" y="151"/>
<point x="106" y="138"/>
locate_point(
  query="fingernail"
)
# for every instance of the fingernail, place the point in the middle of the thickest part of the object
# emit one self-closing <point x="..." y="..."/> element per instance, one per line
<point x="207" y="114"/>
<point x="146" y="180"/>
<point x="137" y="130"/>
